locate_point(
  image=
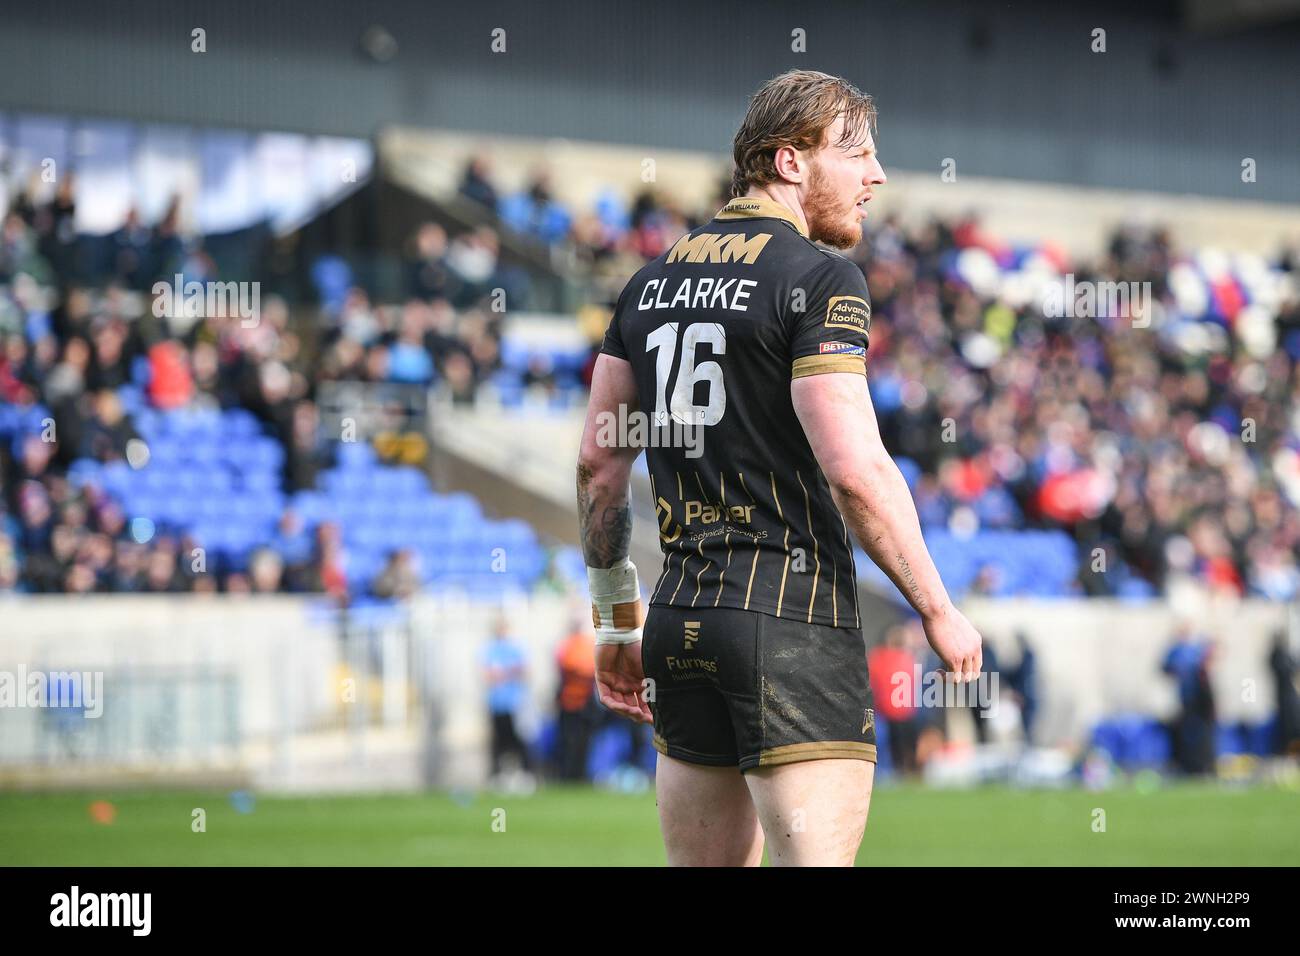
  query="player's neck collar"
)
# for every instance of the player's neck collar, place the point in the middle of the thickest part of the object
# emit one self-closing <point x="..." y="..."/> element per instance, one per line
<point x="758" y="207"/>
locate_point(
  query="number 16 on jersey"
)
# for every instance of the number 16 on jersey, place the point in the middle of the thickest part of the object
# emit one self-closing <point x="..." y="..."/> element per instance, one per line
<point x="682" y="406"/>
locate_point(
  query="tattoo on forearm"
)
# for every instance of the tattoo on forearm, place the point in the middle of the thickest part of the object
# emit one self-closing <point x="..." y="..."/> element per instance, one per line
<point x="860" y="516"/>
<point x="905" y="569"/>
<point x="606" y="528"/>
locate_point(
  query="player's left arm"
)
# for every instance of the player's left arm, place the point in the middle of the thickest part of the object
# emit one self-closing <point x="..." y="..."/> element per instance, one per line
<point x="828" y="388"/>
<point x="605" y="526"/>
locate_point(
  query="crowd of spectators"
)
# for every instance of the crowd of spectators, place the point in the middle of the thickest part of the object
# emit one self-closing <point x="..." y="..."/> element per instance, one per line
<point x="1169" y="449"/>
<point x="1167" y="445"/>
<point x="82" y="346"/>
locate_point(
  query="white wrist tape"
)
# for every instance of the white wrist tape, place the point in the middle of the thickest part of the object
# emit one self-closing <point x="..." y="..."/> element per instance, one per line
<point x="615" y="603"/>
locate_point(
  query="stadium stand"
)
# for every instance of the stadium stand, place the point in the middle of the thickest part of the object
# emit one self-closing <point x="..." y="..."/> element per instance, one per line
<point x="1059" y="460"/>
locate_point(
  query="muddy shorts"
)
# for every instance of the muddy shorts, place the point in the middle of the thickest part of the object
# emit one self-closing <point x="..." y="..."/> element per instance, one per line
<point x="743" y="688"/>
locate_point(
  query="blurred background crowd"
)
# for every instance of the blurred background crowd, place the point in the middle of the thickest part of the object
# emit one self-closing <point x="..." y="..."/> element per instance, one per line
<point x="1165" y="445"/>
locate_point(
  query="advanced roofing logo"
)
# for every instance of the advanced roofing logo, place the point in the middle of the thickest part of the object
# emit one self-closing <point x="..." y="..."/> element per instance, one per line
<point x="848" y="312"/>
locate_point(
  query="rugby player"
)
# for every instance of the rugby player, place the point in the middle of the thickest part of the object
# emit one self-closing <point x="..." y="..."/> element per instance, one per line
<point x="750" y="662"/>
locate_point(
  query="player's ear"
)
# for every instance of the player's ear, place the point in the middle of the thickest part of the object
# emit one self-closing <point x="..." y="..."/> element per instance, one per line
<point x="790" y="163"/>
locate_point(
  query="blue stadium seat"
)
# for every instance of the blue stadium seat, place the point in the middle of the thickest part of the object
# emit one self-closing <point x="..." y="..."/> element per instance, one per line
<point x="355" y="455"/>
<point x="217" y="477"/>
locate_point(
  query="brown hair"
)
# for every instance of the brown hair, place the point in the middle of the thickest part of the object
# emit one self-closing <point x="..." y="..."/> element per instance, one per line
<point x="795" y="109"/>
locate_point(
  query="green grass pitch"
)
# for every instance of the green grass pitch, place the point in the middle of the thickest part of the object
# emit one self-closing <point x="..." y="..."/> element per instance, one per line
<point x="1177" y="825"/>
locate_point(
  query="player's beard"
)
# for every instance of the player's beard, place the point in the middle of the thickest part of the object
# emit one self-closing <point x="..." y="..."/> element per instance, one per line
<point x="828" y="219"/>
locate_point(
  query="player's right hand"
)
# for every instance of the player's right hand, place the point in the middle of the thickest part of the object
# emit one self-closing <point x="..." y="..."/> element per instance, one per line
<point x="956" y="642"/>
<point x="619" y="681"/>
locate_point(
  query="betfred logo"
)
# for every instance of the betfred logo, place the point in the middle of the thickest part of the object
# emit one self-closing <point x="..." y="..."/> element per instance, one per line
<point x="841" y="348"/>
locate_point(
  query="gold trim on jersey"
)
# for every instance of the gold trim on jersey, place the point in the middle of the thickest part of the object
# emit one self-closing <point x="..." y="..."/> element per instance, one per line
<point x="821" y="364"/>
<point x="700" y="572"/>
<point x="780" y="598"/>
<point x="807" y="505"/>
<point x="753" y="567"/>
<point x="722" y="492"/>
<point x="681" y="499"/>
<point x="663" y="574"/>
<point x="662" y="745"/>
<point x="704" y="497"/>
<point x="857" y="620"/>
<point x="835" y="583"/>
<point x="751" y="207"/>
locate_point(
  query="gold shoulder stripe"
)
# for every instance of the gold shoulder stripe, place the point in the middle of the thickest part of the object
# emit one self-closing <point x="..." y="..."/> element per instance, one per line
<point x="820" y="364"/>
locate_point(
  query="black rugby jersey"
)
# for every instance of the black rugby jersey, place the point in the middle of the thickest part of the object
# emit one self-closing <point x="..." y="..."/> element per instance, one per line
<point x="715" y="329"/>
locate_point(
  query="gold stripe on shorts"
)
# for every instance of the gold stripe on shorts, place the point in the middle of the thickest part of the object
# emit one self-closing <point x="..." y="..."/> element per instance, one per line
<point x="818" y="750"/>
